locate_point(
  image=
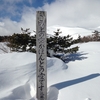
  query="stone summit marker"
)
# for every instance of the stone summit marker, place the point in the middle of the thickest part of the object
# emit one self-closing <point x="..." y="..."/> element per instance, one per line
<point x="41" y="49"/>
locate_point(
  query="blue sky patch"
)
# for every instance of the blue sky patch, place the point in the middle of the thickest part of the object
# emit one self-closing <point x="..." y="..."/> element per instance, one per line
<point x="13" y="9"/>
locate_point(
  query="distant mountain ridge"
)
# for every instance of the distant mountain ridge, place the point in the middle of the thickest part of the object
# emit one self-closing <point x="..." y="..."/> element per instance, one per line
<point x="73" y="31"/>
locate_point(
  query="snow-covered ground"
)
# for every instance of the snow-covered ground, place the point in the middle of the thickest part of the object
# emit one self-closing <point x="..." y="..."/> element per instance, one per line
<point x="73" y="31"/>
<point x="77" y="79"/>
<point x="4" y="48"/>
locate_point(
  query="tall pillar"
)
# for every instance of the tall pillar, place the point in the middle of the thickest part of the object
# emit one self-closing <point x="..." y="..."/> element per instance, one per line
<point x="41" y="57"/>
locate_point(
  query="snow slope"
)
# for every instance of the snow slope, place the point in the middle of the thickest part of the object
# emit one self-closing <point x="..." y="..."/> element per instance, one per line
<point x="73" y="31"/>
<point x="78" y="79"/>
<point x="4" y="48"/>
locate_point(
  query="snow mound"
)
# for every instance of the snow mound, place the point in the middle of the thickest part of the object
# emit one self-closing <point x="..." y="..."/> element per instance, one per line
<point x="52" y="93"/>
<point x="18" y="74"/>
<point x="4" y="48"/>
<point x="78" y="79"/>
<point x="87" y="99"/>
<point x="73" y="31"/>
<point x="19" y="93"/>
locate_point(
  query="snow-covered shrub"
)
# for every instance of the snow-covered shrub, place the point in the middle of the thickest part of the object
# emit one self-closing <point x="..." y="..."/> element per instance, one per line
<point x="55" y="44"/>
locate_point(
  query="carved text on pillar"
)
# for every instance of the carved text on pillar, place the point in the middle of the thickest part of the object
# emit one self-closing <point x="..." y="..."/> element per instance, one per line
<point x="41" y="55"/>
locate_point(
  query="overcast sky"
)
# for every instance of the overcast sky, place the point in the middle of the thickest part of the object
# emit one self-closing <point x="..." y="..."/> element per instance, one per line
<point x="15" y="14"/>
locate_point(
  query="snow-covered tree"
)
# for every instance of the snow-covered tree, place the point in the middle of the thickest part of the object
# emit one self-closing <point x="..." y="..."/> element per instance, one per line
<point x="60" y="44"/>
<point x="55" y="44"/>
<point x="22" y="42"/>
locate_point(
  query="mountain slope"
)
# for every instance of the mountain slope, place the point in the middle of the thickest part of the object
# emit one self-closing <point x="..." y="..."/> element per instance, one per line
<point x="73" y="31"/>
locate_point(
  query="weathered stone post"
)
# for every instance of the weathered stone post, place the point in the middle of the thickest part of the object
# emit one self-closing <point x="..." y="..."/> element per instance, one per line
<point x="41" y="50"/>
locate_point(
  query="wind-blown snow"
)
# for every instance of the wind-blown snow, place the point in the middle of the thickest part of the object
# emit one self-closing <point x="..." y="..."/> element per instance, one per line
<point x="78" y="79"/>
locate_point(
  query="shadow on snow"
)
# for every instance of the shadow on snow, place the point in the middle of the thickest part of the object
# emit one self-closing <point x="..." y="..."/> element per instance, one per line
<point x="74" y="56"/>
<point x="75" y="81"/>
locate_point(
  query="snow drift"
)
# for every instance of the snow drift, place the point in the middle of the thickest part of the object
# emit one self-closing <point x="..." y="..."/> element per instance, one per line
<point x="78" y="79"/>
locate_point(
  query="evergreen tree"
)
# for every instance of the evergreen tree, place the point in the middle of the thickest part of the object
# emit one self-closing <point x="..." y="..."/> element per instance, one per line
<point x="22" y="42"/>
<point x="60" y="44"/>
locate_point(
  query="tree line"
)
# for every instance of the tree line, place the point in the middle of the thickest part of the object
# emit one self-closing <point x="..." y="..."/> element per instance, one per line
<point x="24" y="41"/>
<point x="94" y="37"/>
